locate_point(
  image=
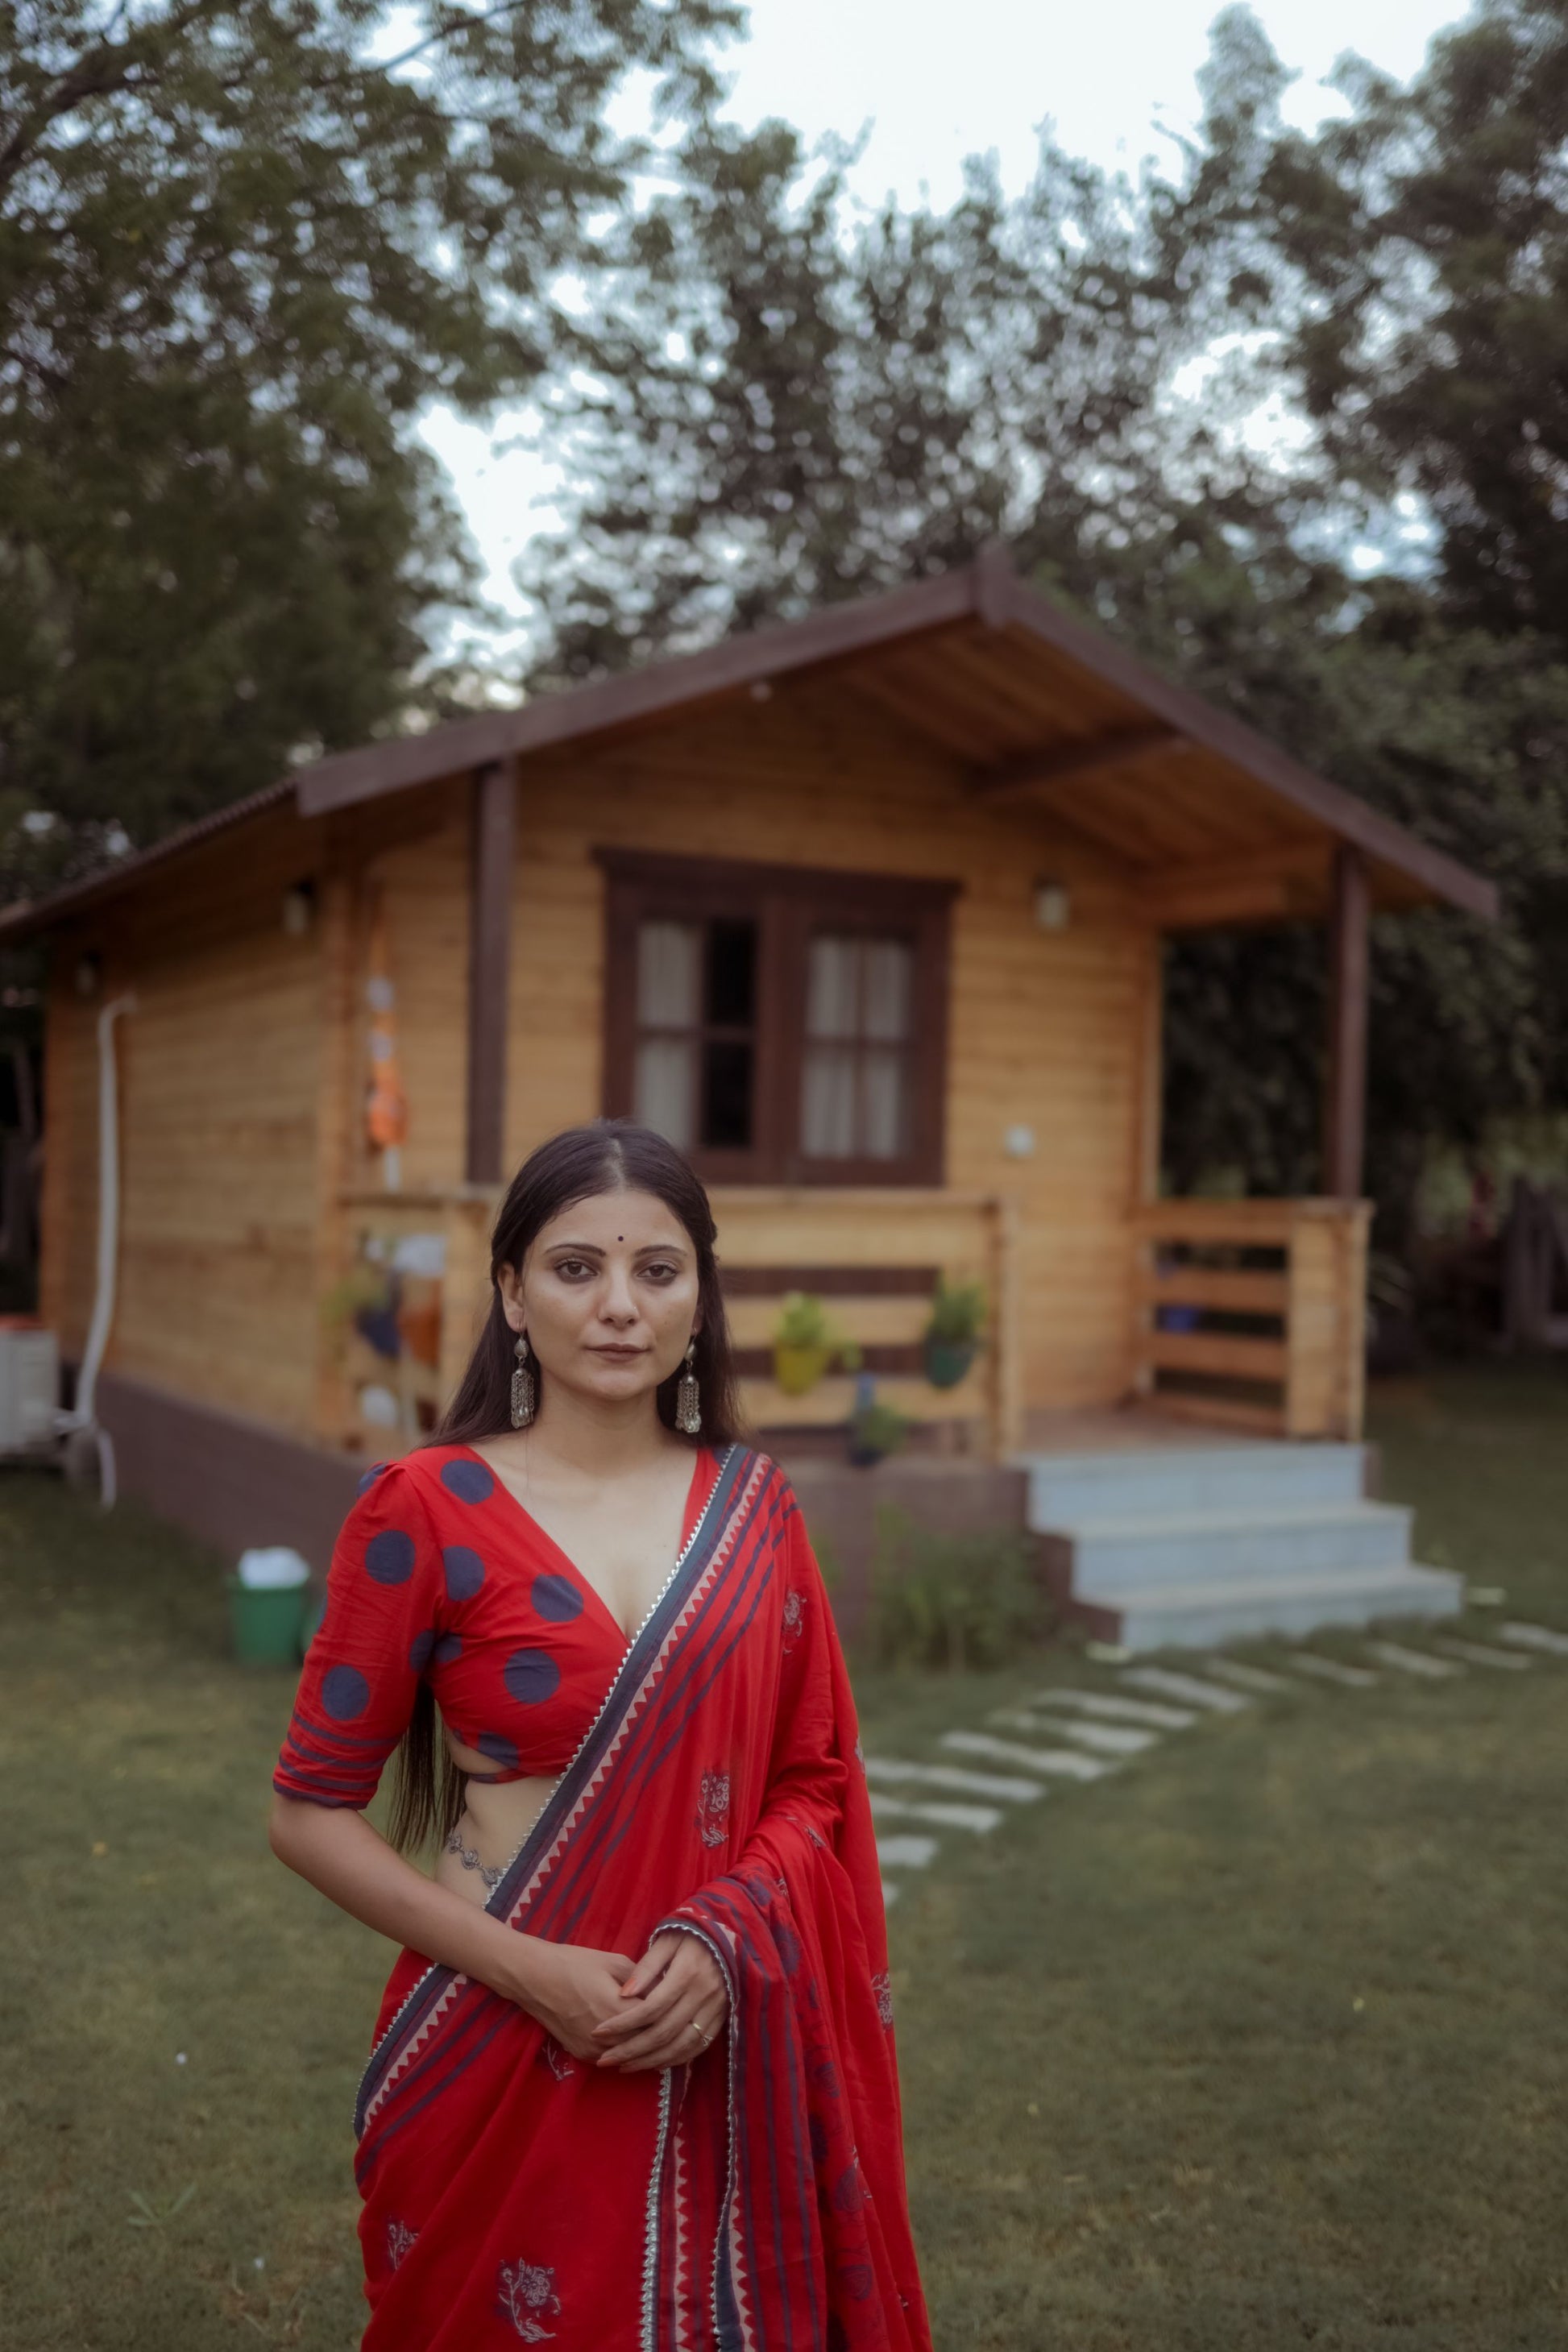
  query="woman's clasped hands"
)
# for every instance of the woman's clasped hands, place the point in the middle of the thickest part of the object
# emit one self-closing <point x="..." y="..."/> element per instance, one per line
<point x="662" y="2010"/>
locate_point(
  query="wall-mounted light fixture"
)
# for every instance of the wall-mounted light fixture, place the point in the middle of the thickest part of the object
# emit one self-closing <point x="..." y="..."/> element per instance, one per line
<point x="1053" y="904"/>
<point x="88" y="973"/>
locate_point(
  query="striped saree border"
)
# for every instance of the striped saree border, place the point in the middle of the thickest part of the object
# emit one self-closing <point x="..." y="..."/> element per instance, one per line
<point x="421" y="2011"/>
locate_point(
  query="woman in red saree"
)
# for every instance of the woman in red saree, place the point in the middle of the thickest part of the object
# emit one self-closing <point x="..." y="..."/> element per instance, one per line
<point x="558" y="2141"/>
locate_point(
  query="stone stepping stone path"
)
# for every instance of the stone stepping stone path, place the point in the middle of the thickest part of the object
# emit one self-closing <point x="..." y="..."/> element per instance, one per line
<point x="1332" y="1670"/>
<point x="1244" y="1678"/>
<point x="950" y="1776"/>
<point x="1115" y="1726"/>
<point x="1119" y="1710"/>
<point x="981" y="1819"/>
<point x="1536" y="1637"/>
<point x="1055" y="1763"/>
<point x="1477" y="1653"/>
<point x="1185" y="1686"/>
<point x="1414" y="1662"/>
<point x="1102" y="1738"/>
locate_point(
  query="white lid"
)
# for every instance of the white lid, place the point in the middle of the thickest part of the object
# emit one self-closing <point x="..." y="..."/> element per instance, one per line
<point x="272" y="1568"/>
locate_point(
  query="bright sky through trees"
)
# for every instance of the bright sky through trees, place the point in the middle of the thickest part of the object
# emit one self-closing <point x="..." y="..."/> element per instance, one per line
<point x="934" y="88"/>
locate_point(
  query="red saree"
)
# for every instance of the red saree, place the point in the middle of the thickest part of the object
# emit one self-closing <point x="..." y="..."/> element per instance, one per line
<point x="755" y="2199"/>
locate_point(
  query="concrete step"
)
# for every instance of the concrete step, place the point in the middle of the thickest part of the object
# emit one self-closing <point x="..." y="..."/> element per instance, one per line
<point x="1128" y="1557"/>
<point x="1229" y="1608"/>
<point x="1064" y="1489"/>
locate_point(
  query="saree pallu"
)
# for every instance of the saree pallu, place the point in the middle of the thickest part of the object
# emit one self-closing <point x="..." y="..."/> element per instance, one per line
<point x="755" y="2198"/>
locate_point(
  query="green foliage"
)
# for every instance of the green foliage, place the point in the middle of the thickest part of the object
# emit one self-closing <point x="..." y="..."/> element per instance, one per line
<point x="805" y="1323"/>
<point x="877" y="1429"/>
<point x="957" y="1312"/>
<point x="952" y="1602"/>
<point x="242" y="247"/>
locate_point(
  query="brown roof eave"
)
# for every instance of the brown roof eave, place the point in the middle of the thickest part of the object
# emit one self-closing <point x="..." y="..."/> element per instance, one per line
<point x="759" y="655"/>
<point x="988" y="589"/>
<point x="1439" y="876"/>
<point x="28" y="917"/>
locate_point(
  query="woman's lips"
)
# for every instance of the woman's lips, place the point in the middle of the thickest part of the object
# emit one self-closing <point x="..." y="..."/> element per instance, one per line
<point x="618" y="1354"/>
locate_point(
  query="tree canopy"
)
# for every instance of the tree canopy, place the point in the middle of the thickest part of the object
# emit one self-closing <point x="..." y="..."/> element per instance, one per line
<point x="243" y="243"/>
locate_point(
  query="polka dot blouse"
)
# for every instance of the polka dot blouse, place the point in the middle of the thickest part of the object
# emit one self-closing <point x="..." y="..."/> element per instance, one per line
<point x="440" y="1575"/>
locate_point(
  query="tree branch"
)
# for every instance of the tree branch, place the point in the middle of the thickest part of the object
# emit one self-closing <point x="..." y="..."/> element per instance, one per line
<point x="110" y="67"/>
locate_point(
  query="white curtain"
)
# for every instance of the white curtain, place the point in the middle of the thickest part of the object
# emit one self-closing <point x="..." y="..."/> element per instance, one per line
<point x="669" y="996"/>
<point x="855" y="1082"/>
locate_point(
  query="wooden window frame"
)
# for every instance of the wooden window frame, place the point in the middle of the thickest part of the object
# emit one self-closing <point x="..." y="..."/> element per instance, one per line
<point x="788" y="903"/>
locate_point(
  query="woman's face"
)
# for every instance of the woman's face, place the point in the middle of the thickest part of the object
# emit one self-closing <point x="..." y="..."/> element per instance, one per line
<point x="607" y="1295"/>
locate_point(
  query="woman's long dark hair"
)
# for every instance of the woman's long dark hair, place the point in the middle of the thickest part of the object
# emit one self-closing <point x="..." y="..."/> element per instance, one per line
<point x="612" y="1155"/>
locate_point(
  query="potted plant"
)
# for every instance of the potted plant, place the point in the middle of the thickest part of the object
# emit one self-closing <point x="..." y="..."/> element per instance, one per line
<point x="952" y="1334"/>
<point x="874" y="1430"/>
<point x="807" y="1344"/>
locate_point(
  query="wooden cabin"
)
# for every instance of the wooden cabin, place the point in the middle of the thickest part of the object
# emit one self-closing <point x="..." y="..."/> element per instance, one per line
<point x="865" y="911"/>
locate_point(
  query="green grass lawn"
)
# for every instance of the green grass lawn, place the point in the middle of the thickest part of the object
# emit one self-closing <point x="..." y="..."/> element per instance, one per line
<point x="1262" y="2041"/>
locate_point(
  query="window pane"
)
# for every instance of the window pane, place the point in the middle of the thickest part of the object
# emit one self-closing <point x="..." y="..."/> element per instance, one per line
<point x="832" y="990"/>
<point x="669" y="960"/>
<point x="889" y="985"/>
<point x="667" y="1087"/>
<point x="727" y="1095"/>
<point x="884" y="1090"/>
<point x="828" y="1103"/>
<point x="731" y="975"/>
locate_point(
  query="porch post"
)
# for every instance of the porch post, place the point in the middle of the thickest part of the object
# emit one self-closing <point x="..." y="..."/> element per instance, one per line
<point x="1344" y="1104"/>
<point x="490" y="927"/>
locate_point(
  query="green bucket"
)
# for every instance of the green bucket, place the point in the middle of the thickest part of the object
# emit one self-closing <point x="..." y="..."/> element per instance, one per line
<point x="268" y="1626"/>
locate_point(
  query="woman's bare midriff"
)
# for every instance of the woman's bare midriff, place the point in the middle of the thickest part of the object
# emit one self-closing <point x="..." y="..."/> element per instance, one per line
<point x="493" y="1824"/>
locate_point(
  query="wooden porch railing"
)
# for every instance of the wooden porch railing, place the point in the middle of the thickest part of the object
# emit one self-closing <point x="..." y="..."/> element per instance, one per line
<point x="1253" y="1313"/>
<point x="873" y="1255"/>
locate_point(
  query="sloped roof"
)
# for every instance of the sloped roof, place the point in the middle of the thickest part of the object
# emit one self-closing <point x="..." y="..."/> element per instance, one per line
<point x="1034" y="708"/>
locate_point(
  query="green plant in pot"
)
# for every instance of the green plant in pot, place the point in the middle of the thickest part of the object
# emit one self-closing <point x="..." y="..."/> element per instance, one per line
<point x="874" y="1430"/>
<point x="808" y="1344"/>
<point x="952" y="1334"/>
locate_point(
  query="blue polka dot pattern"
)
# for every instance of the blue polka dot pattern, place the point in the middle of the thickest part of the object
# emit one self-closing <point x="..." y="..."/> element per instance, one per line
<point x="469" y="1481"/>
<point x="345" y="1693"/>
<point x="531" y="1675"/>
<point x="556" y="1598"/>
<point x="448" y="1647"/>
<point x="419" y="1649"/>
<point x="499" y="1751"/>
<point x="465" y="1571"/>
<point x="389" y="1556"/>
<point x="370" y="1476"/>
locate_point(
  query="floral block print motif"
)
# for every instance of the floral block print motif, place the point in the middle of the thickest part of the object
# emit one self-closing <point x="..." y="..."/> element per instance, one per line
<point x="399" y="2239"/>
<point x="793" y="1618"/>
<point x="527" y="2291"/>
<point x="713" y="1808"/>
<point x="882" y="1985"/>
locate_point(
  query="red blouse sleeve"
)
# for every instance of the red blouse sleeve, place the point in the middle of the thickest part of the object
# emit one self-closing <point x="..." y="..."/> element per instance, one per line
<point x="356" y="1691"/>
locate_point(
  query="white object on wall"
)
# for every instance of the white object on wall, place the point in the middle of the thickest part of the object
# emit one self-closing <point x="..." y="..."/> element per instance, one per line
<point x="29" y="1387"/>
<point x="1019" y="1143"/>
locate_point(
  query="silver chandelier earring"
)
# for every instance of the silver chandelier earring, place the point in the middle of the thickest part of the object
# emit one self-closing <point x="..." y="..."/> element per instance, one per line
<point x="689" y="1397"/>
<point x="523" y="1397"/>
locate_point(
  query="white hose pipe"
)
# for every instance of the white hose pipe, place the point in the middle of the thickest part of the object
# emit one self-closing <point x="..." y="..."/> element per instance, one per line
<point x="108" y="1212"/>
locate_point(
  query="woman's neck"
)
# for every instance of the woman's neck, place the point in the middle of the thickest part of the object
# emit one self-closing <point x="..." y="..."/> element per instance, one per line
<point x="595" y="1439"/>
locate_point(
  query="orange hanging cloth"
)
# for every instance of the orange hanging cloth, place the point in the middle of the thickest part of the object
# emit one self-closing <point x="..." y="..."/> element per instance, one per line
<point x="387" y="1105"/>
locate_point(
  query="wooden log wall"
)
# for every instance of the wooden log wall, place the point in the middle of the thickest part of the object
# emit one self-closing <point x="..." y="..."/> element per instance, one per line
<point x="220" y="1077"/>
